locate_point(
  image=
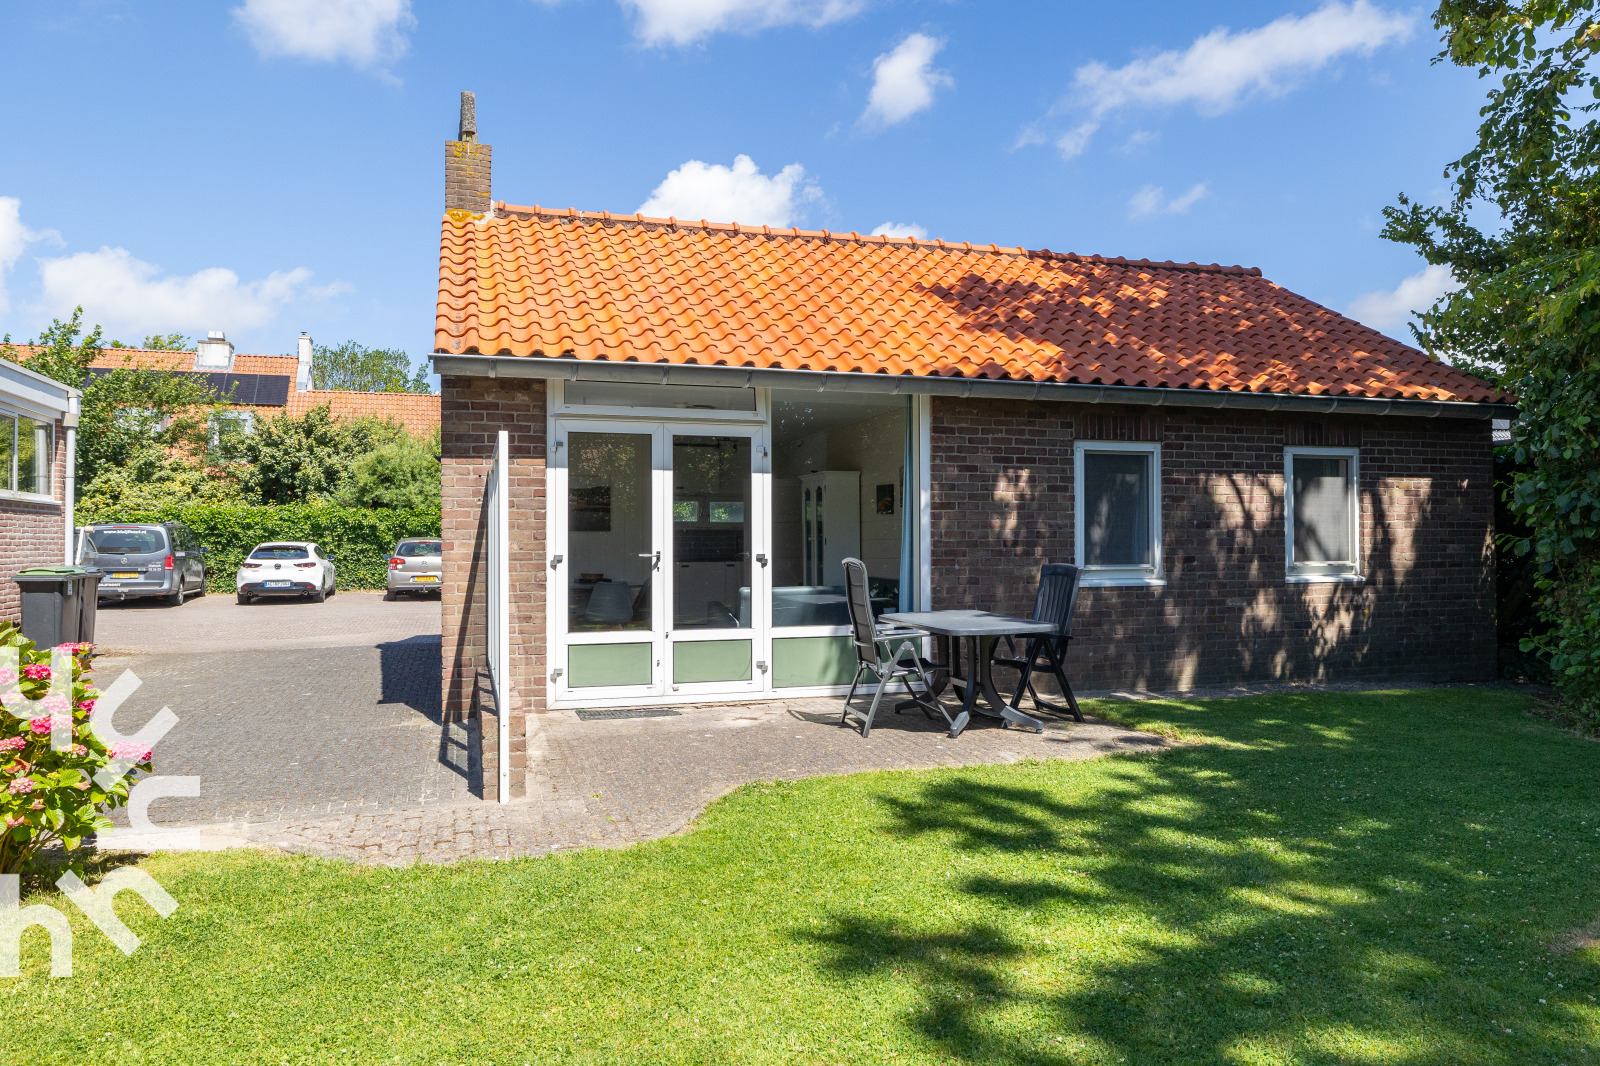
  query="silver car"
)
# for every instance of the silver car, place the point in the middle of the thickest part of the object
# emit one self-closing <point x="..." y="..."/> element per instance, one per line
<point x="415" y="566"/>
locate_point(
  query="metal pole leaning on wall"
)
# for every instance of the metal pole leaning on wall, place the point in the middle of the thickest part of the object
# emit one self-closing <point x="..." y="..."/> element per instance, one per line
<point x="500" y="564"/>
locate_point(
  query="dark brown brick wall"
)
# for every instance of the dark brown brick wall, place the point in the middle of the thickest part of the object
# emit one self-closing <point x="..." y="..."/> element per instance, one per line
<point x="473" y="411"/>
<point x="466" y="176"/>
<point x="1003" y="504"/>
<point x="32" y="534"/>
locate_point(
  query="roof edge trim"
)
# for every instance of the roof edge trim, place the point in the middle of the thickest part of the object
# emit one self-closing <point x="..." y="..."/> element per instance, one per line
<point x="543" y="367"/>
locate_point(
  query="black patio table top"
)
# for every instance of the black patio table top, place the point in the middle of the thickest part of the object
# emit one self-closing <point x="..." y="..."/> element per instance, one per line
<point x="979" y="630"/>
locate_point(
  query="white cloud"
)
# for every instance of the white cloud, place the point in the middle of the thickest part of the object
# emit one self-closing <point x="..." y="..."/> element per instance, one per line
<point x="1390" y="311"/>
<point x="740" y="193"/>
<point x="901" y="229"/>
<point x="904" y="81"/>
<point x="686" y="21"/>
<point x="1222" y="69"/>
<point x="1152" y="200"/>
<point x="14" y="239"/>
<point x="124" y="293"/>
<point x="366" y="33"/>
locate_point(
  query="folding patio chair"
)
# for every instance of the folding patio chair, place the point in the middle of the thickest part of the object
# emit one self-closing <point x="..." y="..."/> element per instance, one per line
<point x="1056" y="599"/>
<point x="872" y="653"/>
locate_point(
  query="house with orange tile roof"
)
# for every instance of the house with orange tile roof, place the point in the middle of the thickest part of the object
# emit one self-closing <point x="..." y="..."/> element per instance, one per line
<point x="661" y="437"/>
<point x="269" y="385"/>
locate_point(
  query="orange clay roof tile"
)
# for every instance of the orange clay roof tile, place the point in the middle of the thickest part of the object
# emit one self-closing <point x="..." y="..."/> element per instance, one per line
<point x="530" y="281"/>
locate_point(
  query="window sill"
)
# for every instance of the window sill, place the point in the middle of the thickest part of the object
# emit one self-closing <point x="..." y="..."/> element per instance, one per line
<point x="1325" y="579"/>
<point x="27" y="497"/>
<point x="1108" y="581"/>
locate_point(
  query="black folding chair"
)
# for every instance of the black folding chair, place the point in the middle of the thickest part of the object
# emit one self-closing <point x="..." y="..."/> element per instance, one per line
<point x="872" y="643"/>
<point x="1054" y="603"/>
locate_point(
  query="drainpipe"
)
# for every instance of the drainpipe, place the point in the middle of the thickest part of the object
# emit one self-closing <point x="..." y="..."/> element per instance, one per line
<point x="69" y="482"/>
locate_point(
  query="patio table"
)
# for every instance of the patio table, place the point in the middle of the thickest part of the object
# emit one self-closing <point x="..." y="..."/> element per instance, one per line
<point x="979" y="631"/>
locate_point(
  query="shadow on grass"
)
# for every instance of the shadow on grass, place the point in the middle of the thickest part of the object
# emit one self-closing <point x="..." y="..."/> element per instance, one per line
<point x="1310" y="892"/>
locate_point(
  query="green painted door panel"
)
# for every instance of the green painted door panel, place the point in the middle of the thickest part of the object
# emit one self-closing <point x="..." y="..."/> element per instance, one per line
<point x="799" y="662"/>
<point x="596" y="665"/>
<point x="699" y="661"/>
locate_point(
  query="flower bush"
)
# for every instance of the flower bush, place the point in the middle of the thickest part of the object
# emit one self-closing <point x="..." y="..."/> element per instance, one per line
<point x="49" y="796"/>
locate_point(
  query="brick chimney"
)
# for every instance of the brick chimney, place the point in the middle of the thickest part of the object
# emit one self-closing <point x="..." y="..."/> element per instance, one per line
<point x="466" y="165"/>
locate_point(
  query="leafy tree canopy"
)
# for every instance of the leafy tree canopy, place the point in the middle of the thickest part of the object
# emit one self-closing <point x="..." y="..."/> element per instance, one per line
<point x="1528" y="309"/>
<point x="160" y="342"/>
<point x="401" y="475"/>
<point x="350" y="367"/>
<point x="309" y="458"/>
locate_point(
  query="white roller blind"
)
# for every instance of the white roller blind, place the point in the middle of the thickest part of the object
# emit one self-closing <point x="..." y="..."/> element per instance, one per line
<point x="1322" y="509"/>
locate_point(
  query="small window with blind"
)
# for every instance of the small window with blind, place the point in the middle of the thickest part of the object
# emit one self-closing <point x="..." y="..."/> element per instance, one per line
<point x="1118" y="512"/>
<point x="1321" y="514"/>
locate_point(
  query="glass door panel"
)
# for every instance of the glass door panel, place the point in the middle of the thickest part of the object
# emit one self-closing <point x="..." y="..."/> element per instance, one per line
<point x="711" y="526"/>
<point x="612" y="563"/>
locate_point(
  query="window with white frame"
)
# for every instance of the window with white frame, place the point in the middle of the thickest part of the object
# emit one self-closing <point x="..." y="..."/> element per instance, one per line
<point x="27" y="452"/>
<point x="1118" y="513"/>
<point x="1321" y="517"/>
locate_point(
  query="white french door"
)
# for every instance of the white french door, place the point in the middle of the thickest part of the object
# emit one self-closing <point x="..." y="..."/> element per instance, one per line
<point x="659" y="554"/>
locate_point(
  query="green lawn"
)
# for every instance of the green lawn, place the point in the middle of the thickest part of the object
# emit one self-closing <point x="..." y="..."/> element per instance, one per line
<point x="1372" y="878"/>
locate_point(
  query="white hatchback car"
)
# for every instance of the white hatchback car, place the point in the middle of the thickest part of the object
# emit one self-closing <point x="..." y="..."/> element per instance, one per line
<point x="287" y="568"/>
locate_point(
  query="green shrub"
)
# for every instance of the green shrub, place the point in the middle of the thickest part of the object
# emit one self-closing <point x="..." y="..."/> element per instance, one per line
<point x="359" y="539"/>
<point x="403" y="474"/>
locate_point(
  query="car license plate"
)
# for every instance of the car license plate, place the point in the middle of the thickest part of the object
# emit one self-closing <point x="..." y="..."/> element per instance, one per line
<point x="426" y="577"/>
<point x="120" y="575"/>
<point x="276" y="584"/>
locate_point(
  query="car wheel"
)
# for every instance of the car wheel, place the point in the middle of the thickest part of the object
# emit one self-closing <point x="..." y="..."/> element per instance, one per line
<point x="205" y="579"/>
<point x="318" y="596"/>
<point x="244" y="600"/>
<point x="389" y="596"/>
<point x="175" y="598"/>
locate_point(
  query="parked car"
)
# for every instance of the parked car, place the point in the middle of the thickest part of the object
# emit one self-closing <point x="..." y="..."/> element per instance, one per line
<point x="287" y="568"/>
<point x="136" y="559"/>
<point x="415" y="566"/>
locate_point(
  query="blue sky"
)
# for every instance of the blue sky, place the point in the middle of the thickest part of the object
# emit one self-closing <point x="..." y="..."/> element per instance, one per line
<point x="271" y="166"/>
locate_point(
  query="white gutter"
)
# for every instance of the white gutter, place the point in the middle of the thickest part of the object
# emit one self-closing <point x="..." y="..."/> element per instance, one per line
<point x="533" y="366"/>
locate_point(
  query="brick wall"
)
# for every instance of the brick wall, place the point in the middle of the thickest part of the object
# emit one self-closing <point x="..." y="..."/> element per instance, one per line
<point x="466" y="176"/>
<point x="1003" y="503"/>
<point x="32" y="534"/>
<point x="473" y="411"/>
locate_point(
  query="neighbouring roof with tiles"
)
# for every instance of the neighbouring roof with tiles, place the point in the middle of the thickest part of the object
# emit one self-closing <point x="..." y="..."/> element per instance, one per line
<point x="527" y="281"/>
<point x="417" y="411"/>
<point x="149" y="359"/>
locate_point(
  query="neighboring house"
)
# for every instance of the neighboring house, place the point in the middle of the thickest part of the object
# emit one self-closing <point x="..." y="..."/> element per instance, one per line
<point x="264" y="386"/>
<point x="38" y="430"/>
<point x="704" y="418"/>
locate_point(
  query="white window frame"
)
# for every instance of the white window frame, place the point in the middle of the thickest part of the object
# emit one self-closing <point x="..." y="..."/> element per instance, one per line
<point x="1315" y="573"/>
<point x="13" y="476"/>
<point x="1104" y="576"/>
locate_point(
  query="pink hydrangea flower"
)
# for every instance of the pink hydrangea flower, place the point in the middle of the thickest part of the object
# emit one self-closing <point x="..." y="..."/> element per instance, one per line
<point x="130" y="749"/>
<point x="55" y="702"/>
<point x="78" y="750"/>
<point x="7" y="676"/>
<point x="86" y="706"/>
<point x="36" y="672"/>
<point x="21" y="786"/>
<point x="40" y="725"/>
<point x="13" y="743"/>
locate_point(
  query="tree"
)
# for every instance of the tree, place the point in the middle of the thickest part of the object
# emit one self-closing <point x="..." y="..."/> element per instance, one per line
<point x="353" y="368"/>
<point x="1528" y="309"/>
<point x="310" y="457"/>
<point x="160" y="342"/>
<point x="59" y="353"/>
<point x="403" y="475"/>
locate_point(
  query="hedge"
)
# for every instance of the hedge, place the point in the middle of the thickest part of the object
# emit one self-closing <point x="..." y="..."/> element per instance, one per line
<point x="359" y="539"/>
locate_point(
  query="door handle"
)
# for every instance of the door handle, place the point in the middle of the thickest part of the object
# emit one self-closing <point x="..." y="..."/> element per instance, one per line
<point x="654" y="557"/>
<point x="762" y="559"/>
<point x="555" y="561"/>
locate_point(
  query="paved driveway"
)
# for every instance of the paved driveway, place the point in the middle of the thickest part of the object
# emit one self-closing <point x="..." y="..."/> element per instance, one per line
<point x="289" y="710"/>
<point x="316" y="727"/>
